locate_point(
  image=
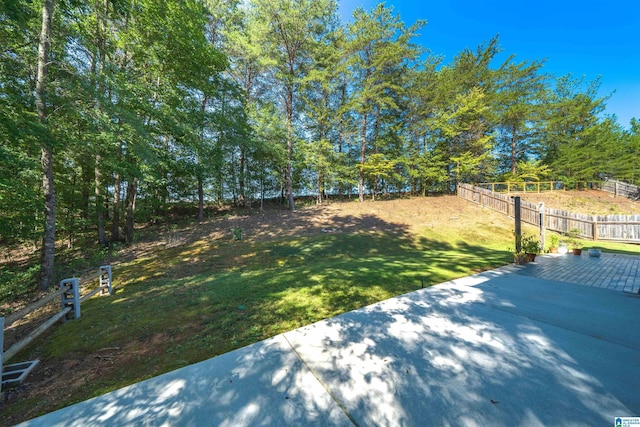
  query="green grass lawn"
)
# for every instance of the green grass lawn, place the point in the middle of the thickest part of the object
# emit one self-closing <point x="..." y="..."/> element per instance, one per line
<point x="270" y="288"/>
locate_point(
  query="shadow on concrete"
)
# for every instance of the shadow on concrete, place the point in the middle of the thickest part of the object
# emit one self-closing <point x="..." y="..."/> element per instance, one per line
<point x="265" y="384"/>
<point x="508" y="351"/>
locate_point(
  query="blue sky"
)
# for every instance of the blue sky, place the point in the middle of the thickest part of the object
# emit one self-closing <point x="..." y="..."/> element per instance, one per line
<point x="585" y="38"/>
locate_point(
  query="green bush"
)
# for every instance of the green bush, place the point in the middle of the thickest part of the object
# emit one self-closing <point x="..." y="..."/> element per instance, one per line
<point x="530" y="245"/>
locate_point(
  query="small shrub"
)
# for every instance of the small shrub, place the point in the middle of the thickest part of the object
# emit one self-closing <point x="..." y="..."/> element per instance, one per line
<point x="573" y="235"/>
<point x="237" y="233"/>
<point x="530" y="245"/>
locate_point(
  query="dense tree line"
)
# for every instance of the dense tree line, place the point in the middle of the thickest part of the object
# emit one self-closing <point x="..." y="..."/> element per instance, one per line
<point x="112" y="110"/>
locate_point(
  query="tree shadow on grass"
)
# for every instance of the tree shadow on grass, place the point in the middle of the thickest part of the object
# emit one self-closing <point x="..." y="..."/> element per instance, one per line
<point x="296" y="282"/>
<point x="303" y="270"/>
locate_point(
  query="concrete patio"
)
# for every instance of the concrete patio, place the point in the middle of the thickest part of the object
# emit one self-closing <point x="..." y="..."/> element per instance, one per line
<point x="513" y="346"/>
<point x="609" y="271"/>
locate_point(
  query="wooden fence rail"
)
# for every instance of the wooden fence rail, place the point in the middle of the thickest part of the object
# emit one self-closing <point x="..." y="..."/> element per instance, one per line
<point x="20" y="314"/>
<point x="622" y="228"/>
<point x="537" y="186"/>
<point x="69" y="292"/>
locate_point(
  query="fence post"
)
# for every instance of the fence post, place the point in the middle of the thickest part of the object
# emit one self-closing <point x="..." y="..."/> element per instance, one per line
<point x="105" y="280"/>
<point x="595" y="230"/>
<point x="542" y="224"/>
<point x="71" y="298"/>
<point x="518" y="225"/>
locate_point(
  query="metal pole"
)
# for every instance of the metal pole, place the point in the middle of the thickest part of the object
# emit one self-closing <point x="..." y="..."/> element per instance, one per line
<point x="518" y="225"/>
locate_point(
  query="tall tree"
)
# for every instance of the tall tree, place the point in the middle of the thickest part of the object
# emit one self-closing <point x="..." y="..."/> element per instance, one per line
<point x="48" y="186"/>
<point x="167" y="61"/>
<point x="519" y="105"/>
<point x="321" y="98"/>
<point x="290" y="30"/>
<point x="571" y="119"/>
<point x="20" y="169"/>
<point x="425" y="159"/>
<point x="464" y="127"/>
<point x="381" y="49"/>
<point x="466" y="118"/>
<point x="236" y="35"/>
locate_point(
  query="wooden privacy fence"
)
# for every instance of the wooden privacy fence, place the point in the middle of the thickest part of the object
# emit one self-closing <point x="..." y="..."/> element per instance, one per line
<point x="537" y="186"/>
<point x="69" y="293"/>
<point x="622" y="228"/>
<point x="619" y="188"/>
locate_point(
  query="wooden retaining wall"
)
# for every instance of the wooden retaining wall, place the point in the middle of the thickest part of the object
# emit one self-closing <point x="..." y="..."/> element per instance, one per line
<point x="622" y="228"/>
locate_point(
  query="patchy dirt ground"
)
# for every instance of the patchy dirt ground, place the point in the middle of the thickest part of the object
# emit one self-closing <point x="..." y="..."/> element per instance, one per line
<point x="50" y="381"/>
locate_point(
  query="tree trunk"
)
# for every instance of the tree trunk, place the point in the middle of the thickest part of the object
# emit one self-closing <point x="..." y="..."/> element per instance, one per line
<point x="376" y="131"/>
<point x="203" y="109"/>
<point x="132" y="188"/>
<point x="341" y="128"/>
<point x="102" y="236"/>
<point x="97" y="67"/>
<point x="46" y="157"/>
<point x="86" y="184"/>
<point x="261" y="194"/>
<point x="49" y="237"/>
<point x="320" y="188"/>
<point x="363" y="151"/>
<point x="200" y="198"/>
<point x="115" y="217"/>
<point x="288" y="178"/>
<point x="241" y="176"/>
<point x="514" y="152"/>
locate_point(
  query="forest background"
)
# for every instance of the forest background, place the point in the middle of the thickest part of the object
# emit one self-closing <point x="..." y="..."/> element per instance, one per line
<point x="113" y="112"/>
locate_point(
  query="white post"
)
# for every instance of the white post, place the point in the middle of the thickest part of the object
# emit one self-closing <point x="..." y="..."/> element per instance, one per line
<point x="71" y="298"/>
<point x="105" y="280"/>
